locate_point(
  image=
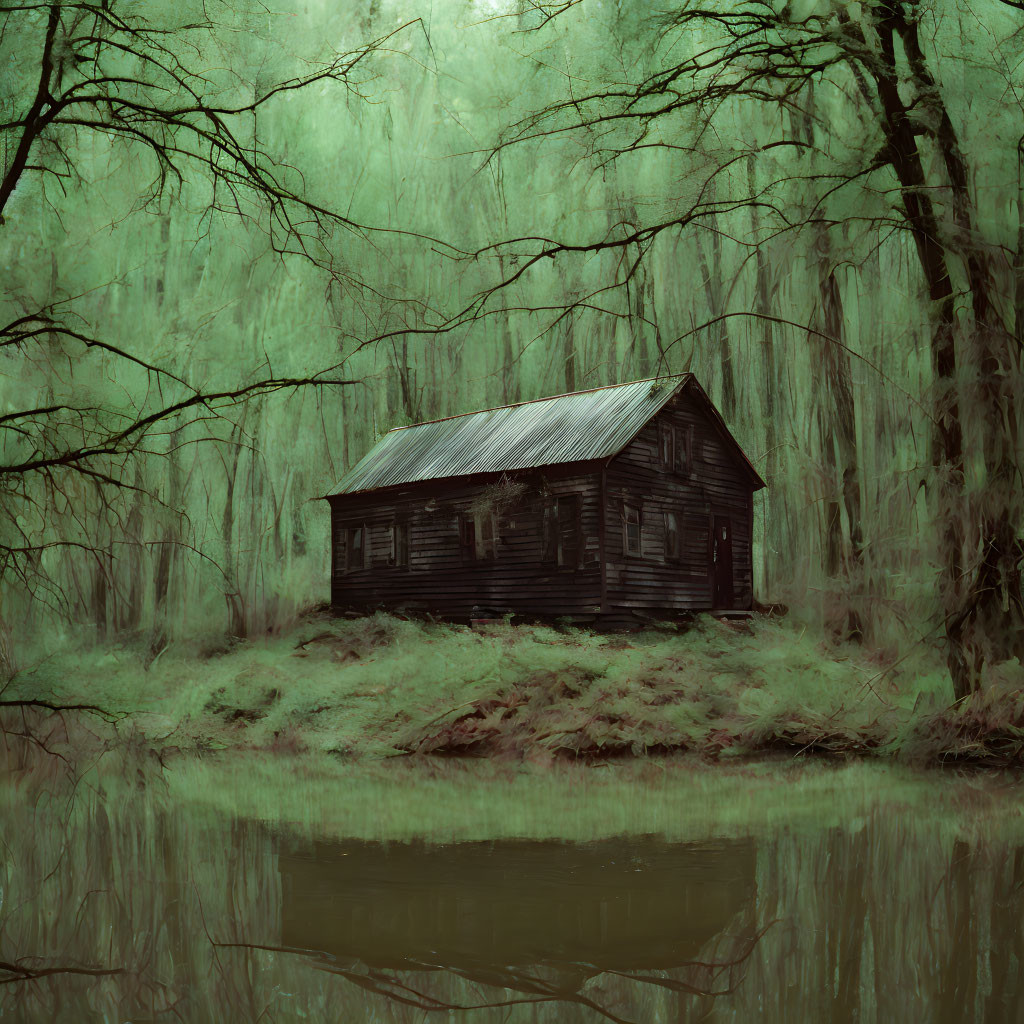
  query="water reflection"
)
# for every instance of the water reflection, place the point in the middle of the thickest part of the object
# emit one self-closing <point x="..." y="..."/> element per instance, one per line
<point x="133" y="907"/>
<point x="541" y="918"/>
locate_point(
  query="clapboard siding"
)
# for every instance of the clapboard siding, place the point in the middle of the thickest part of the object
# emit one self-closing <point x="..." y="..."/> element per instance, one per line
<point x="607" y="585"/>
<point x="441" y="579"/>
<point x="716" y="484"/>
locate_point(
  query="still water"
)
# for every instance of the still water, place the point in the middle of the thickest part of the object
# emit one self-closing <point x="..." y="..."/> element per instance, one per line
<point x="910" y="909"/>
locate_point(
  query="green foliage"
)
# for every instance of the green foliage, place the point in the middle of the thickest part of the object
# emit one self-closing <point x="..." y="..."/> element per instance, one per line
<point x="379" y="686"/>
<point x="219" y="521"/>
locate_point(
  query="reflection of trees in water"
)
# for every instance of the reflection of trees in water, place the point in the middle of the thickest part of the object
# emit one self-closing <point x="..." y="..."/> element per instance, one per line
<point x="705" y="979"/>
<point x="107" y="902"/>
<point x="541" y="989"/>
<point x="592" y="924"/>
<point x="890" y="920"/>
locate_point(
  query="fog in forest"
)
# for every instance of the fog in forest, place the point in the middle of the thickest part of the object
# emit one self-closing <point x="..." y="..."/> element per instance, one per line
<point x="241" y="242"/>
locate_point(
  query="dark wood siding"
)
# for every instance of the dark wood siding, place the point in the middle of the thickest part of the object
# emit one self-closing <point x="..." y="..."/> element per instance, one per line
<point x="608" y="584"/>
<point x="441" y="578"/>
<point x="715" y="483"/>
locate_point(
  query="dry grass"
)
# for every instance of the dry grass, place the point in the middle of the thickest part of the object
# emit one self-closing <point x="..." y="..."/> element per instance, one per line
<point x="381" y="686"/>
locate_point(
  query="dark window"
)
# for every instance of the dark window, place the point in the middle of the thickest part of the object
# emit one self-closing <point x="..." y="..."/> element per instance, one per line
<point x="339" y="548"/>
<point x="399" y="556"/>
<point x="467" y="538"/>
<point x="569" y="532"/>
<point x="563" y="540"/>
<point x="478" y="536"/>
<point x="486" y="535"/>
<point x="673" y="537"/>
<point x="355" y="548"/>
<point x="675" y="447"/>
<point x="631" y="543"/>
<point x="549" y="531"/>
<point x="684" y="448"/>
<point x="665" y="439"/>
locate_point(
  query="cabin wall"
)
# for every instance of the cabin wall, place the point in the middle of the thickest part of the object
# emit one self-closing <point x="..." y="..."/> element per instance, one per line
<point x="717" y="483"/>
<point x="441" y="579"/>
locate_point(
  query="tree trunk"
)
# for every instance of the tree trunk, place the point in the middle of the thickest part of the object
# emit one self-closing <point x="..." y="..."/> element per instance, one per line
<point x="762" y="304"/>
<point x="989" y="624"/>
<point x="838" y="430"/>
<point x="510" y="392"/>
<point x="569" y="352"/>
<point x="712" y="275"/>
<point x="237" y="625"/>
<point x="947" y="440"/>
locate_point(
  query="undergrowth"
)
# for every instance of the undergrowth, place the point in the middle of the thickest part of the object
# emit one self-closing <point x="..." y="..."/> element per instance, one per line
<point x="385" y="686"/>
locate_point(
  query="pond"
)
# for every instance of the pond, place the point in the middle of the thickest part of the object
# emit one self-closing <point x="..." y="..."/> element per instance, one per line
<point x="273" y="891"/>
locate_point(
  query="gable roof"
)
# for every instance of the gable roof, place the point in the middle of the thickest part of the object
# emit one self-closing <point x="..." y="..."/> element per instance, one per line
<point x="575" y="427"/>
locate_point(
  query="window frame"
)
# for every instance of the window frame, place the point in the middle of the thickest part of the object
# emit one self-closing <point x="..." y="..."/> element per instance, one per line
<point x="627" y="508"/>
<point x="554" y="548"/>
<point x="398" y="555"/>
<point x="666" y="444"/>
<point x="473" y="544"/>
<point x="684" y="449"/>
<point x="675" y="447"/>
<point x="674" y="552"/>
<point x="485" y="547"/>
<point x="348" y="532"/>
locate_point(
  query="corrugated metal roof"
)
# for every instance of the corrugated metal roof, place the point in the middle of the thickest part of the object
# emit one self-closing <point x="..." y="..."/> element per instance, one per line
<point x="566" y="428"/>
<point x="575" y="427"/>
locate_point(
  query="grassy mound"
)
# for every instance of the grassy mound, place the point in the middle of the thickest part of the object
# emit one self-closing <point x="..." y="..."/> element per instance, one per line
<point x="381" y="686"/>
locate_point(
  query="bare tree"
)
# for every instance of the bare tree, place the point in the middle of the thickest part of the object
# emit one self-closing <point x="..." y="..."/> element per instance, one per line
<point x="81" y="77"/>
<point x="888" y="154"/>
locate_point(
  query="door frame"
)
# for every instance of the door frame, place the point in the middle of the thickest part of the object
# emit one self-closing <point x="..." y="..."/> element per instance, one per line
<point x="715" y="520"/>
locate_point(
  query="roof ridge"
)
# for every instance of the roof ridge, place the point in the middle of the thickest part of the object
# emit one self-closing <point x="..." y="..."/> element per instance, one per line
<point x="544" y="398"/>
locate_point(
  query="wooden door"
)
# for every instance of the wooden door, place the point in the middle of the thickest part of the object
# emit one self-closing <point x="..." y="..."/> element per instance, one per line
<point x="721" y="553"/>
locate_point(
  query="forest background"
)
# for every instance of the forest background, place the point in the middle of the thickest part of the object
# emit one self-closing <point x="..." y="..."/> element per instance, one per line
<point x="241" y="242"/>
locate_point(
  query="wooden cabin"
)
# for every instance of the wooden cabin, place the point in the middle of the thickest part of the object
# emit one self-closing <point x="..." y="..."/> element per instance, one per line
<point x="612" y="506"/>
